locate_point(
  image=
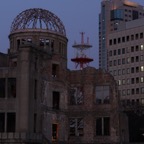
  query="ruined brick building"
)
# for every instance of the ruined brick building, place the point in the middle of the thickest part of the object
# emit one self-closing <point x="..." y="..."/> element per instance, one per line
<point x="41" y="100"/>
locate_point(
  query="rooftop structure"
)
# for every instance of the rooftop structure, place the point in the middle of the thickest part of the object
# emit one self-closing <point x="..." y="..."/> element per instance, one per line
<point x="81" y="59"/>
<point x="37" y="19"/>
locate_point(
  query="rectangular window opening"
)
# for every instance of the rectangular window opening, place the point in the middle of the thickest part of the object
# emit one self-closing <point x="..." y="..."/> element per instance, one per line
<point x="2" y="122"/>
<point x="76" y="96"/>
<point x="11" y="87"/>
<point x="102" y="94"/>
<point x="99" y="126"/>
<point x="2" y="87"/>
<point x="76" y="127"/>
<point x="35" y="89"/>
<point x="55" y="69"/>
<point x="35" y="121"/>
<point x="56" y="100"/>
<point x="103" y="126"/>
<point x="18" y="43"/>
<point x="54" y="132"/>
<point x="11" y="122"/>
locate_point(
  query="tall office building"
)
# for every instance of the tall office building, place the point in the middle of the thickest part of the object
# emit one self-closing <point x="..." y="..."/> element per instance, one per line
<point x="113" y="14"/>
<point x="126" y="59"/>
<point x="124" y="46"/>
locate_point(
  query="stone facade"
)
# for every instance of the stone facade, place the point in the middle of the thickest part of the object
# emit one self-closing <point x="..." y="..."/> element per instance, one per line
<point x="95" y="111"/>
<point x="43" y="102"/>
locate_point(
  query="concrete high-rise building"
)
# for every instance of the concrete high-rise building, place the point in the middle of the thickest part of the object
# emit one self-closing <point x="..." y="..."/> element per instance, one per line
<point x="113" y="14"/>
<point x="125" y="60"/>
<point x="126" y="64"/>
<point x="121" y="37"/>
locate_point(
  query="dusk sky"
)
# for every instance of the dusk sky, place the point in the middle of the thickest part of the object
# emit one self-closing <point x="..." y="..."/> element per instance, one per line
<point x="77" y="16"/>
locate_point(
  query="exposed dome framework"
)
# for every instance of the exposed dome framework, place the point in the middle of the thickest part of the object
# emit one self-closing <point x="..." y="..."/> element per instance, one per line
<point x="37" y="18"/>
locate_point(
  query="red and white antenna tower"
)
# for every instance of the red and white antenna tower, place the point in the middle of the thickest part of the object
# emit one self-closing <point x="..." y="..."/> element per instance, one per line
<point x="81" y="59"/>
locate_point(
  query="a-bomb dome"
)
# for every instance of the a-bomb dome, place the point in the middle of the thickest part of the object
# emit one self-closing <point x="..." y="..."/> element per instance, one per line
<point x="37" y="19"/>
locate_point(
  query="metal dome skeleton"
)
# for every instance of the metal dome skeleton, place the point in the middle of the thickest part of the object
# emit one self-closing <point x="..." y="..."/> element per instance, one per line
<point x="36" y="19"/>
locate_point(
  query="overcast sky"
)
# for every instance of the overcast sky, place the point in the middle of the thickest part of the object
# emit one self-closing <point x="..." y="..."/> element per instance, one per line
<point x="76" y="15"/>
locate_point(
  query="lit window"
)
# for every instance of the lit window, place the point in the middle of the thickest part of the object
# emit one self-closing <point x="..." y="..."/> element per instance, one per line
<point x="119" y="82"/>
<point x="142" y="47"/>
<point x="142" y="68"/>
<point x="142" y="79"/>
